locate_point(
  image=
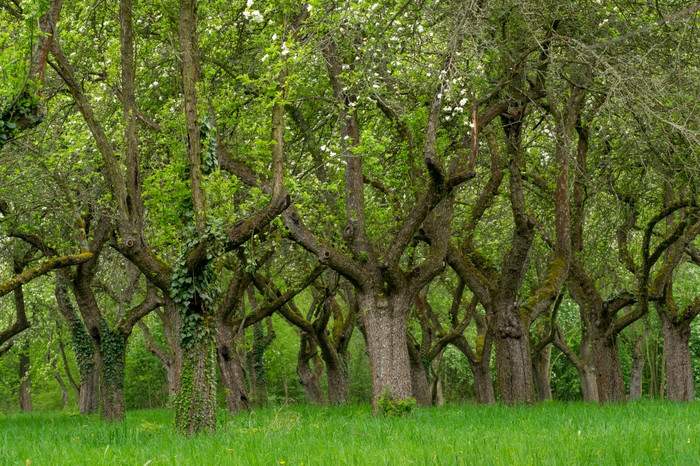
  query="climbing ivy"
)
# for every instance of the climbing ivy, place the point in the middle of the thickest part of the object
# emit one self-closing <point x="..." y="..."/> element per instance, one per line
<point x="195" y="291"/>
<point x="20" y="112"/>
<point x="210" y="161"/>
<point x="83" y="348"/>
<point x="112" y="347"/>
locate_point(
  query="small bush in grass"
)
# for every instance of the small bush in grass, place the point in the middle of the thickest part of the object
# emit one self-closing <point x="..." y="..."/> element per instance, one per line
<point x="388" y="406"/>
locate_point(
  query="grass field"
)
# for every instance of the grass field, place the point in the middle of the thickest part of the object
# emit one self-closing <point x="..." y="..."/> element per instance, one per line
<point x="551" y="433"/>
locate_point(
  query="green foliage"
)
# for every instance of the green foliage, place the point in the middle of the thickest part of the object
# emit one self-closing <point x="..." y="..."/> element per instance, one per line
<point x="388" y="405"/>
<point x="210" y="161"/>
<point x="21" y="110"/>
<point x="195" y="291"/>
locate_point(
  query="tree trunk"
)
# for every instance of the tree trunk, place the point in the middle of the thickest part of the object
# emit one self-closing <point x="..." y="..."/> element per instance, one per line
<point x="336" y="370"/>
<point x="540" y="365"/>
<point x="479" y="363"/>
<point x="195" y="404"/>
<point x="386" y="323"/>
<point x="513" y="361"/>
<point x="420" y="387"/>
<point x="589" y="383"/>
<point x="679" y="371"/>
<point x="257" y="375"/>
<point x="483" y="385"/>
<point x="89" y="399"/>
<point x="337" y="375"/>
<point x="232" y="377"/>
<point x="438" y="398"/>
<point x="171" y="328"/>
<point x="310" y="377"/>
<point x="606" y="357"/>
<point x="637" y="370"/>
<point x="587" y="372"/>
<point x="25" y="385"/>
<point x="112" y="361"/>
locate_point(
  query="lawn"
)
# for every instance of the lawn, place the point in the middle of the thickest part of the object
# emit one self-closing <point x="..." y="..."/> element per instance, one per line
<point x="550" y="433"/>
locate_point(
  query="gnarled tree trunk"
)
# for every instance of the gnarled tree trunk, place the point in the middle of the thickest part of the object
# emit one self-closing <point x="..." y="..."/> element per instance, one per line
<point x="606" y="357"/>
<point x="310" y="378"/>
<point x="386" y="323"/>
<point x="679" y="371"/>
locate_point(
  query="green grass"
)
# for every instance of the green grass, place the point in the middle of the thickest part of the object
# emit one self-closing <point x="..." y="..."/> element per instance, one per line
<point x="551" y="433"/>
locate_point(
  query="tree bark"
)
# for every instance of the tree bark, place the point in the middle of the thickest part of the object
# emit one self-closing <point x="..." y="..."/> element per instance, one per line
<point x="89" y="398"/>
<point x="479" y="363"/>
<point x="606" y="357"/>
<point x="637" y="369"/>
<point x="420" y="386"/>
<point x="310" y="378"/>
<point x="540" y="364"/>
<point x="25" y="378"/>
<point x="386" y="322"/>
<point x="232" y="377"/>
<point x="679" y="372"/>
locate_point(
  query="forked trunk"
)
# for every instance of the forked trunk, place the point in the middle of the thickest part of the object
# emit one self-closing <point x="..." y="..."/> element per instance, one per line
<point x="540" y="365"/>
<point x="310" y="377"/>
<point x="386" y="322"/>
<point x="679" y="371"/>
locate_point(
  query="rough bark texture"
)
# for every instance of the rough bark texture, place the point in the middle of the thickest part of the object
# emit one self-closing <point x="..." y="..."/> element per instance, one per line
<point x="310" y="377"/>
<point x="479" y="362"/>
<point x="386" y="344"/>
<point x="195" y="404"/>
<point x="232" y="377"/>
<point x="540" y="364"/>
<point x="514" y="369"/>
<point x="679" y="373"/>
<point x="420" y="386"/>
<point x="606" y="357"/>
<point x="637" y="370"/>
<point x="25" y="386"/>
<point x="89" y="399"/>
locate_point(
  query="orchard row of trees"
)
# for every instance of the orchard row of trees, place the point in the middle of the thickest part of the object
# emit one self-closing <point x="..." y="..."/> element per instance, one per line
<point x="424" y="173"/>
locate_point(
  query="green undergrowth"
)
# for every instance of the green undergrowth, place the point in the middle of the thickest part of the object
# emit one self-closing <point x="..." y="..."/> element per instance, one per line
<point x="551" y="433"/>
